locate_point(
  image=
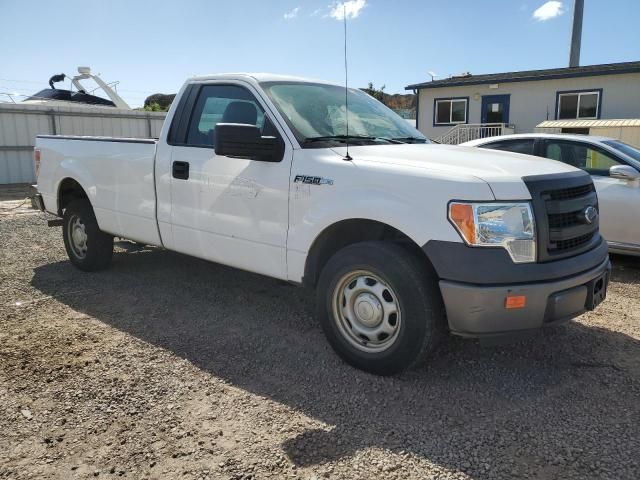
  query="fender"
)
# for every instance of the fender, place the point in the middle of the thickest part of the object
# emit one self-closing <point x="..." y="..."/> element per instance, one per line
<point x="401" y="213"/>
<point x="75" y="170"/>
<point x="419" y="223"/>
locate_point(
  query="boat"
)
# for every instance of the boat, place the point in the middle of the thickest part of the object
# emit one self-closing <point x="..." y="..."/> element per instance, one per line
<point x="79" y="96"/>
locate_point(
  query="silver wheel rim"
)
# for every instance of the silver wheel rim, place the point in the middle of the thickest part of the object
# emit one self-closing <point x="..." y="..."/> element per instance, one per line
<point x="366" y="311"/>
<point x="77" y="235"/>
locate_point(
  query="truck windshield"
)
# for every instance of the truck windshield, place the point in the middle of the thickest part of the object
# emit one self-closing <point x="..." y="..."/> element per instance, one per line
<point x="315" y="113"/>
<point x="624" y="148"/>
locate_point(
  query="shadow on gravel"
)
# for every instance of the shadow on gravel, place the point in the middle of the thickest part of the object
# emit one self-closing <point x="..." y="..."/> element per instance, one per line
<point x="626" y="269"/>
<point x="563" y="402"/>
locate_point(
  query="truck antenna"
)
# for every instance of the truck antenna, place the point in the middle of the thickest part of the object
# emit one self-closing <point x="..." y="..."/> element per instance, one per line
<point x="346" y="80"/>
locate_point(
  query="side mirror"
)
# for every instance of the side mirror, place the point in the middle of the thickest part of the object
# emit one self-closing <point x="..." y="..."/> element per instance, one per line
<point x="245" y="141"/>
<point x="624" y="172"/>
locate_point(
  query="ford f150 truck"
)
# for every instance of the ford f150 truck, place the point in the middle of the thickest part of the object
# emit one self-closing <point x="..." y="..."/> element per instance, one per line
<point x="403" y="240"/>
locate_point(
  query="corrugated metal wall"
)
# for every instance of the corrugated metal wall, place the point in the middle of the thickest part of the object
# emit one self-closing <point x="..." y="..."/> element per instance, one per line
<point x="19" y="125"/>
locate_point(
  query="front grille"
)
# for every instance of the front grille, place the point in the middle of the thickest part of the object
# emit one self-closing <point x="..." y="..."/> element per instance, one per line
<point x="574" y="242"/>
<point x="561" y="220"/>
<point x="559" y="204"/>
<point x="571" y="192"/>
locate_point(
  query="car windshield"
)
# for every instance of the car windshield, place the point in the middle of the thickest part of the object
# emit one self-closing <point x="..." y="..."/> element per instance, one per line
<point x="624" y="148"/>
<point x="315" y="113"/>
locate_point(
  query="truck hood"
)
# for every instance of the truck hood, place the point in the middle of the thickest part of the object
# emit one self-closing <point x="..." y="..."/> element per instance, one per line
<point x="503" y="171"/>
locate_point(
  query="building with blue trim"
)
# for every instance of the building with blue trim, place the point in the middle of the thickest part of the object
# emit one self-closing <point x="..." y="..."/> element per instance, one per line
<point x="518" y="101"/>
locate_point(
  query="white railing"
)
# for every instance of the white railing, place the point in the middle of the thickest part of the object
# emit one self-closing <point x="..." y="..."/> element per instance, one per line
<point x="471" y="131"/>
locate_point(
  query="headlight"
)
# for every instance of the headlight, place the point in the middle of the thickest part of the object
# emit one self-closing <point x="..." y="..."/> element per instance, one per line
<point x="507" y="225"/>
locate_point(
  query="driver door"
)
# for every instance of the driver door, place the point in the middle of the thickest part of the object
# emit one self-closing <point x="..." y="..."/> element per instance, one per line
<point x="229" y="210"/>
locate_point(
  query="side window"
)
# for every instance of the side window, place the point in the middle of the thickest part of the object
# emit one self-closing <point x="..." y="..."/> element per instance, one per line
<point x="523" y="145"/>
<point x="222" y="104"/>
<point x="554" y="152"/>
<point x="581" y="155"/>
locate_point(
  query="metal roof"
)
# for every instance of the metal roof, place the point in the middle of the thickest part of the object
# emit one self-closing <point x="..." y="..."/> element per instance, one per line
<point x="532" y="75"/>
<point x="616" y="122"/>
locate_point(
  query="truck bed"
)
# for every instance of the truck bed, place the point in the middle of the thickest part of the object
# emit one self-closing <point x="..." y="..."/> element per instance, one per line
<point x="116" y="173"/>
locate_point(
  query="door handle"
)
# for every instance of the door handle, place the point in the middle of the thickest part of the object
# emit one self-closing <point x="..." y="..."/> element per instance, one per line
<point x="180" y="170"/>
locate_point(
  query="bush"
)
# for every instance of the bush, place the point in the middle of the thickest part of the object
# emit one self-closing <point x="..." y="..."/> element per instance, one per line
<point x="155" y="107"/>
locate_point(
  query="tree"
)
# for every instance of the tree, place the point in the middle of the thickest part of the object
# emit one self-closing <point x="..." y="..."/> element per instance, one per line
<point x="376" y="93"/>
<point x="155" y="107"/>
<point x="159" y="102"/>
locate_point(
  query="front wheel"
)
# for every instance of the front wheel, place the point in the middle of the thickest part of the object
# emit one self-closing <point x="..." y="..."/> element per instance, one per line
<point x="380" y="307"/>
<point x="87" y="246"/>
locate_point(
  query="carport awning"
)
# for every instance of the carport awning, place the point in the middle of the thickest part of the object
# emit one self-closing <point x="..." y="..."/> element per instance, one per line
<point x="621" y="122"/>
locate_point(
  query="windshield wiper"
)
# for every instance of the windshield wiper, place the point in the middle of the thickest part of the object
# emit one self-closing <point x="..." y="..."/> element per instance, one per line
<point x="409" y="139"/>
<point x="346" y="138"/>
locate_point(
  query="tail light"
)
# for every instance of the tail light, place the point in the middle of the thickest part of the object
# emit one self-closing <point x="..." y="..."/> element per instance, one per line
<point x="36" y="160"/>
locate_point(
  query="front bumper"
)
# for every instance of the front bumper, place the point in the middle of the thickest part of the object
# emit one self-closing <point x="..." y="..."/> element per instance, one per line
<point x="479" y="310"/>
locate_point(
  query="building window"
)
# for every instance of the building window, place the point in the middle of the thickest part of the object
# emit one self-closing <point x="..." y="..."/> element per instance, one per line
<point x="577" y="105"/>
<point x="450" y="111"/>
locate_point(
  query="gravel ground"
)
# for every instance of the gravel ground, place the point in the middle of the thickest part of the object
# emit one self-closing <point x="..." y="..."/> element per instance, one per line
<point x="166" y="366"/>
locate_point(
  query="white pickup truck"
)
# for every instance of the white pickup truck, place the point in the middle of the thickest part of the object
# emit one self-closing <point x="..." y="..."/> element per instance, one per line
<point x="403" y="240"/>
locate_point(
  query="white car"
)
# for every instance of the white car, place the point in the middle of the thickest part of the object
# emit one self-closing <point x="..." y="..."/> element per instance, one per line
<point x="613" y="165"/>
<point x="402" y="240"/>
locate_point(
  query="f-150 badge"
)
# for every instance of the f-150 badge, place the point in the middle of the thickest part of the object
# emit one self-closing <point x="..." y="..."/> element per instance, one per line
<point x="311" y="180"/>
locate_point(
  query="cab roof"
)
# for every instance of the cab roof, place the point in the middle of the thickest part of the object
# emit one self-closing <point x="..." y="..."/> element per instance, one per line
<point x="258" y="77"/>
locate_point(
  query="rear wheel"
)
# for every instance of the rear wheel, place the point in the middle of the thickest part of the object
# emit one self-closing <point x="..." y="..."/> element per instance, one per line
<point x="88" y="248"/>
<point x="380" y="307"/>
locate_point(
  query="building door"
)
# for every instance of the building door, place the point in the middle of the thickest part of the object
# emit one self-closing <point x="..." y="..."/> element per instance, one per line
<point x="495" y="108"/>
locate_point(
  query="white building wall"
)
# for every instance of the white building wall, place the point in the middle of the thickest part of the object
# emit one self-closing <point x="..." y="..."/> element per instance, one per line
<point x="20" y="123"/>
<point x="534" y="102"/>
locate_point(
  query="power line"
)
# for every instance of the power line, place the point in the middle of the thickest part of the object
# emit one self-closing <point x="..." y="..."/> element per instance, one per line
<point x="143" y="92"/>
<point x="18" y="81"/>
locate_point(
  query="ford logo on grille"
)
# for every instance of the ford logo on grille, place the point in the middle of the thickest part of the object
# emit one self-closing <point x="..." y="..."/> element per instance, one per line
<point x="589" y="215"/>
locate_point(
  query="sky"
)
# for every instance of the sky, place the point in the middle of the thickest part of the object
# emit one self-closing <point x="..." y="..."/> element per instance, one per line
<point x="153" y="46"/>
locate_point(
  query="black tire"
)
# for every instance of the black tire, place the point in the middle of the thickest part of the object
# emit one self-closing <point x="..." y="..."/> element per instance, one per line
<point x="98" y="246"/>
<point x="422" y="321"/>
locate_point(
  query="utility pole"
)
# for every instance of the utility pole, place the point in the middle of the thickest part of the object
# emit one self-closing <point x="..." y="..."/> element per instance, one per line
<point x="576" y="33"/>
